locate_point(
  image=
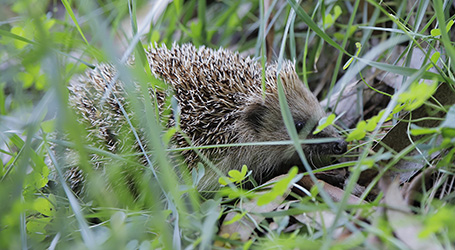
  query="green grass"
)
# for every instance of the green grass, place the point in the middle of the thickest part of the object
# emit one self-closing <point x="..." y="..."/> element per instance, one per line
<point x="43" y="44"/>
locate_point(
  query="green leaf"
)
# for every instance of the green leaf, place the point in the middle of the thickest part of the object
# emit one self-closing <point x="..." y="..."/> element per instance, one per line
<point x="19" y="31"/>
<point x="442" y="220"/>
<point x="36" y="228"/>
<point x="448" y="132"/>
<point x="348" y="33"/>
<point x="15" y="36"/>
<point x="395" y="110"/>
<point x="339" y="36"/>
<point x="434" y="59"/>
<point x="236" y="217"/>
<point x="235" y="176"/>
<point x="43" y="206"/>
<point x="366" y="163"/>
<point x="446" y="128"/>
<point x="447" y="160"/>
<point x="223" y="181"/>
<point x="423" y="131"/>
<point x="29" y="7"/>
<point x="449" y="25"/>
<point x="235" y="193"/>
<point x="324" y="122"/>
<point x="448" y="125"/>
<point x="435" y="32"/>
<point x="328" y="21"/>
<point x="278" y="189"/>
<point x="337" y="11"/>
<point x="167" y="137"/>
<point x="244" y="170"/>
<point x="26" y="79"/>
<point x="358" y="133"/>
<point x="371" y="123"/>
<point x="417" y="94"/>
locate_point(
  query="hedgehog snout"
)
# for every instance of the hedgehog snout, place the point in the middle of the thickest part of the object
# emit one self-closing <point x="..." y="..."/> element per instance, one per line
<point x="339" y="147"/>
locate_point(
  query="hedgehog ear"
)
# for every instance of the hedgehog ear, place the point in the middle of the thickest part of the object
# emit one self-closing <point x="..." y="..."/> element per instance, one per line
<point x="254" y="115"/>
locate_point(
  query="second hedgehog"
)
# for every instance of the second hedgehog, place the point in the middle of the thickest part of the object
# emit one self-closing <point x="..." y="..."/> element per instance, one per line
<point x="220" y="97"/>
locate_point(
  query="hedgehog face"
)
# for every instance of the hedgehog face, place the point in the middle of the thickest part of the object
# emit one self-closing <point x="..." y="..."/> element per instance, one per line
<point x="263" y="122"/>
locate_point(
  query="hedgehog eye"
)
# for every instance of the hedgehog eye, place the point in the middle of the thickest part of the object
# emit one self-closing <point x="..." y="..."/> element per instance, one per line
<point x="299" y="125"/>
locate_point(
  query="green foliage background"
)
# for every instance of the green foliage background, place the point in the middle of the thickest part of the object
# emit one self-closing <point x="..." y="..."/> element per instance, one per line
<point x="44" y="43"/>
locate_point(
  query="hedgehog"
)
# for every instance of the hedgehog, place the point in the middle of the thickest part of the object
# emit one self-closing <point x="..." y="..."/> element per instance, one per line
<point x="222" y="99"/>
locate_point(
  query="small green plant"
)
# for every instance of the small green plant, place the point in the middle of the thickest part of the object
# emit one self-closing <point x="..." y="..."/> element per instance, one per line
<point x="235" y="176"/>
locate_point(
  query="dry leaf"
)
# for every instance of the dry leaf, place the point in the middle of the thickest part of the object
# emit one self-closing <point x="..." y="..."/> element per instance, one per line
<point x="404" y="223"/>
